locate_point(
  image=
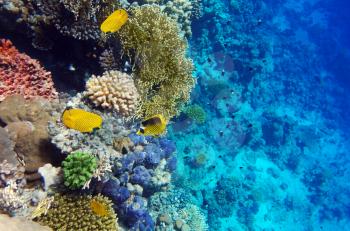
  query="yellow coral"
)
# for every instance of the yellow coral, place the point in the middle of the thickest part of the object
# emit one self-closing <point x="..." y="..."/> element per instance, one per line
<point x="163" y="72"/>
<point x="68" y="212"/>
<point x="98" y="208"/>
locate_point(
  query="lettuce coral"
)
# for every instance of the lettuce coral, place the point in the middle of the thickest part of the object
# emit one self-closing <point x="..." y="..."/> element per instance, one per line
<point x="69" y="212"/>
<point x="78" y="168"/>
<point x="163" y="72"/>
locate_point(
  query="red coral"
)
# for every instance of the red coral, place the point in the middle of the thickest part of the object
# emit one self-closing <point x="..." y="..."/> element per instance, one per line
<point x="20" y="74"/>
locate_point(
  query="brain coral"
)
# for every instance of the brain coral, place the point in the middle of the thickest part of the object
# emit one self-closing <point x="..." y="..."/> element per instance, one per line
<point x="19" y="74"/>
<point x="114" y="90"/>
<point x="80" y="213"/>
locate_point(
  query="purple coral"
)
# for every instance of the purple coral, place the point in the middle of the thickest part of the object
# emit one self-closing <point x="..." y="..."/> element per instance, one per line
<point x="140" y="176"/>
<point x="118" y="194"/>
<point x="136" y="139"/>
<point x="153" y="155"/>
<point x="136" y="215"/>
<point x="167" y="146"/>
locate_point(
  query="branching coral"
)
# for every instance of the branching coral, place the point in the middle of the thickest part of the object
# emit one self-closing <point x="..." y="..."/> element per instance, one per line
<point x="78" y="168"/>
<point x="79" y="19"/>
<point x="114" y="90"/>
<point x="80" y="213"/>
<point x="10" y="198"/>
<point x="19" y="74"/>
<point x="163" y="73"/>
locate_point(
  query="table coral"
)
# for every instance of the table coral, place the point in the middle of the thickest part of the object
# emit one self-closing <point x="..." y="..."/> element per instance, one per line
<point x="114" y="90"/>
<point x="163" y="73"/>
<point x="88" y="213"/>
<point x="20" y="74"/>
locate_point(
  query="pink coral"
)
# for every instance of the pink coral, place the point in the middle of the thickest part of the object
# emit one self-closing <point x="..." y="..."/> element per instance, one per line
<point x="20" y="74"/>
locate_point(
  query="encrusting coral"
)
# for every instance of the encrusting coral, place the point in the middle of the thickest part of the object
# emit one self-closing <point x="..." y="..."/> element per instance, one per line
<point x="68" y="212"/>
<point x="163" y="73"/>
<point x="113" y="90"/>
<point x="20" y="74"/>
<point x="78" y="168"/>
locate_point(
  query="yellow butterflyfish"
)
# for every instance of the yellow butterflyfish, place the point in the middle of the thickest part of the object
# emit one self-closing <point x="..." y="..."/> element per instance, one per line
<point x="153" y="126"/>
<point x="114" y="21"/>
<point x="81" y="120"/>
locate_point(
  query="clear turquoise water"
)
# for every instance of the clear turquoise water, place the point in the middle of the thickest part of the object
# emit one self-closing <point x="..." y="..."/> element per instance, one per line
<point x="273" y="80"/>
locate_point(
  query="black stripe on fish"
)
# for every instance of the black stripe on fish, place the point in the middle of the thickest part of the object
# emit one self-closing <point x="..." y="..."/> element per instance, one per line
<point x="151" y="121"/>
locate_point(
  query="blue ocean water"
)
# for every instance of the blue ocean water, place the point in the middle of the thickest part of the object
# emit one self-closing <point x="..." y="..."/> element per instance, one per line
<point x="273" y="81"/>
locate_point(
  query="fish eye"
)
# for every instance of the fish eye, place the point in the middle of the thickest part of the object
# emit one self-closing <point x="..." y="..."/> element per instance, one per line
<point x="142" y="130"/>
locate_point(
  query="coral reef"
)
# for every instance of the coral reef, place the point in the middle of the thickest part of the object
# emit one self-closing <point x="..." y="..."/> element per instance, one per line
<point x="113" y="90"/>
<point x="107" y="60"/>
<point x="68" y="212"/>
<point x="163" y="73"/>
<point x="11" y="199"/>
<point x="78" y="168"/>
<point x="176" y="208"/>
<point x="26" y="122"/>
<point x="196" y="113"/>
<point x="19" y="74"/>
<point x="181" y="11"/>
<point x="99" y="144"/>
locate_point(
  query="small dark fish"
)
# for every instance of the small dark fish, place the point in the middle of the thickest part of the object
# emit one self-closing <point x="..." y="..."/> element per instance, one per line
<point x="209" y="60"/>
<point x="222" y="72"/>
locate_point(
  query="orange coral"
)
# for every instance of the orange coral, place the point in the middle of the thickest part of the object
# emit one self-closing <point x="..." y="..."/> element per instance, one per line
<point x="20" y="74"/>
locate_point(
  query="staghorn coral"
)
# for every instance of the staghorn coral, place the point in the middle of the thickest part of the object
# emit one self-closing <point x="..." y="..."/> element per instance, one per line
<point x="163" y="74"/>
<point x="113" y="90"/>
<point x="19" y="74"/>
<point x="78" y="168"/>
<point x="68" y="212"/>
